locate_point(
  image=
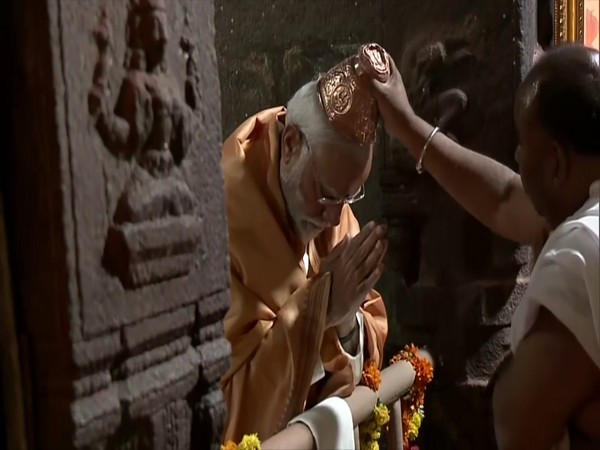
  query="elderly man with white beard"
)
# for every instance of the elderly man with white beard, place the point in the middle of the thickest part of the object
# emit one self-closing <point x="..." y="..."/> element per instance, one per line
<point x="304" y="318"/>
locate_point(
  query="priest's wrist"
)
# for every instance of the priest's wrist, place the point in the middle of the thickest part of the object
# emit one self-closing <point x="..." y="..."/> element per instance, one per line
<point x="401" y="125"/>
<point x="347" y="328"/>
<point x="350" y="340"/>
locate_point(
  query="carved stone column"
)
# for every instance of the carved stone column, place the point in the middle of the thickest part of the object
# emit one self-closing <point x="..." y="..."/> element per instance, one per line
<point x="118" y="223"/>
<point x="450" y="284"/>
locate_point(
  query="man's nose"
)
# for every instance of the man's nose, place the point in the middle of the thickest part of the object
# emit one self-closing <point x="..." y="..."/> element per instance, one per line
<point x="332" y="214"/>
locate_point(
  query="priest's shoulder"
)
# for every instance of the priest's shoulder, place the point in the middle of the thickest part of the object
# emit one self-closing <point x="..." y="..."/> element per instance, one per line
<point x="254" y="125"/>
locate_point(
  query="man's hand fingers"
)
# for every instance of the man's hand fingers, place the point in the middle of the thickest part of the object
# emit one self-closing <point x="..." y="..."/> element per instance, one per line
<point x="339" y="247"/>
<point x="366" y="247"/>
<point x="369" y="283"/>
<point x="394" y="72"/>
<point x="336" y="253"/>
<point x="363" y="234"/>
<point x="371" y="262"/>
<point x="384" y="252"/>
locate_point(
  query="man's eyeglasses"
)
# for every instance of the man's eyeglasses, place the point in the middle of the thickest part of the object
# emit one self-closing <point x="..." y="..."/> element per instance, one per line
<point x="327" y="201"/>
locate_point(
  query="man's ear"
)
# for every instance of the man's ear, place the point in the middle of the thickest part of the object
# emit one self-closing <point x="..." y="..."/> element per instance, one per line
<point x="291" y="144"/>
<point x="561" y="170"/>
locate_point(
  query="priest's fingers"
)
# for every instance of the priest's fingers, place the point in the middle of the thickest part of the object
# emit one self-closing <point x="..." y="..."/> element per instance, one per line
<point x="362" y="236"/>
<point x="339" y="248"/>
<point x="386" y="242"/>
<point x="369" y="283"/>
<point x="364" y="248"/>
<point x="335" y="257"/>
<point x="383" y="253"/>
<point x="371" y="262"/>
<point x="349" y="250"/>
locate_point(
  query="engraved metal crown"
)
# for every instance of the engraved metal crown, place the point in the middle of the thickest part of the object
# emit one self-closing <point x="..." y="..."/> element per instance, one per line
<point x="345" y="96"/>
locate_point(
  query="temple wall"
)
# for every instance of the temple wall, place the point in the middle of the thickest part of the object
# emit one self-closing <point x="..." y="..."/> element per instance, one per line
<point x="119" y="307"/>
<point x="116" y="218"/>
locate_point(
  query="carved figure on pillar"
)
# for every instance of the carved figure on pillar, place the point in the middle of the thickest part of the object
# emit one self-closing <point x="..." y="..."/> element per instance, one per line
<point x="152" y="127"/>
<point x="432" y="88"/>
<point x="423" y="67"/>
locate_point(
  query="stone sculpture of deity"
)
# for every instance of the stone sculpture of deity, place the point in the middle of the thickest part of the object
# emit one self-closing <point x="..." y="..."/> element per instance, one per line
<point x="152" y="127"/>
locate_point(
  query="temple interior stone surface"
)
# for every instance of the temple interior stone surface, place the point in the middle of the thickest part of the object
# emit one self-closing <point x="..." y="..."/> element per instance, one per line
<point x="118" y="263"/>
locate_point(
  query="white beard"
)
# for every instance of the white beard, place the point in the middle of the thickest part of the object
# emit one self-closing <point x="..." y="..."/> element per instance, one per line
<point x="307" y="228"/>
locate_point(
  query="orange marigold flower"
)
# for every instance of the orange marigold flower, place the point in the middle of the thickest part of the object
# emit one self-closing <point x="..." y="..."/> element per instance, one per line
<point x="371" y="376"/>
<point x="229" y="445"/>
<point x="415" y="399"/>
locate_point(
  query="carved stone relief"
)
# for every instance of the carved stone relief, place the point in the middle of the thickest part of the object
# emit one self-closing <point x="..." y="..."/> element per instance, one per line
<point x="424" y="68"/>
<point x="155" y="231"/>
<point x="123" y="319"/>
<point x="163" y="367"/>
<point x="460" y="65"/>
<point x="148" y="205"/>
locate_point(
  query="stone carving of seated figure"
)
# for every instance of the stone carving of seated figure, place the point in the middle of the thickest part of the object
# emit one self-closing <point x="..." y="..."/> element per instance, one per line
<point x="156" y="188"/>
<point x="151" y="126"/>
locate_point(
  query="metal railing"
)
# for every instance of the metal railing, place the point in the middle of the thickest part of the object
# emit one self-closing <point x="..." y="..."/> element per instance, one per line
<point x="396" y="380"/>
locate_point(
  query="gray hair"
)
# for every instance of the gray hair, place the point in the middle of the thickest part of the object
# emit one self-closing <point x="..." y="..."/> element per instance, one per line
<point x="304" y="110"/>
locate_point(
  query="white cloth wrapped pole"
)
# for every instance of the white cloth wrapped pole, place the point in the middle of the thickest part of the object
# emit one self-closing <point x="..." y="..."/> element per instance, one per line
<point x="330" y="423"/>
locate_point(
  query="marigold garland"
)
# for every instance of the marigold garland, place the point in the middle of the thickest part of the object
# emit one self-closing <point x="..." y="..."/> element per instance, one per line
<point x="371" y="376"/>
<point x="413" y="410"/>
<point x="248" y="442"/>
<point x="370" y="430"/>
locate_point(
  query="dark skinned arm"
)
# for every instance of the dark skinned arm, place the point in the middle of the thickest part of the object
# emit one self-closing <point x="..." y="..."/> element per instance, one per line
<point x="489" y="191"/>
<point x="548" y="379"/>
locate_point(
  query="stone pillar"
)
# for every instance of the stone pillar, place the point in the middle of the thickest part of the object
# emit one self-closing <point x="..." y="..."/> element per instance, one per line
<point x="117" y="223"/>
<point x="450" y="283"/>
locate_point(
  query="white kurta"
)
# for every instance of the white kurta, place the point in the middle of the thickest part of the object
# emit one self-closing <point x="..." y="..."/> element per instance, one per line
<point x="566" y="281"/>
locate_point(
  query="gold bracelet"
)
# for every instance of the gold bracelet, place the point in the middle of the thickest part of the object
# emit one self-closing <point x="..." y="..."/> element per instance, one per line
<point x="419" y="165"/>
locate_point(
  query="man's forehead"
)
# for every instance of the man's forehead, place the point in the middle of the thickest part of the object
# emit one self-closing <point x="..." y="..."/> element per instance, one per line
<point x="339" y="167"/>
<point x="333" y="158"/>
<point x="333" y="150"/>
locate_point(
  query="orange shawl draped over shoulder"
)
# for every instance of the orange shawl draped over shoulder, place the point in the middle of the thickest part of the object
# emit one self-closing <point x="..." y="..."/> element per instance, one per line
<point x="276" y="321"/>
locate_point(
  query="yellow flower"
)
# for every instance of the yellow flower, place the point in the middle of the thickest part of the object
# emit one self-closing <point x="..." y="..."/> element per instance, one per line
<point x="368" y="427"/>
<point x="382" y="415"/>
<point x="413" y="426"/>
<point x="411" y="433"/>
<point x="370" y="430"/>
<point x="416" y="420"/>
<point x="373" y="445"/>
<point x="249" y="442"/>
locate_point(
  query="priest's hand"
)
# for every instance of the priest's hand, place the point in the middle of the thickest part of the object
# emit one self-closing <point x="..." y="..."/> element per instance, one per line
<point x="355" y="264"/>
<point x="392" y="101"/>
